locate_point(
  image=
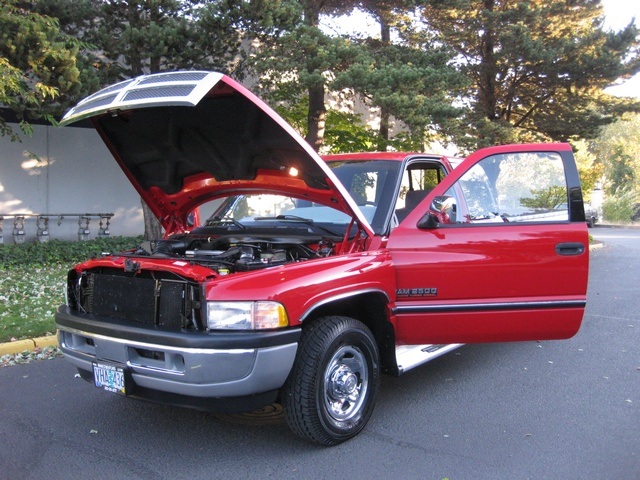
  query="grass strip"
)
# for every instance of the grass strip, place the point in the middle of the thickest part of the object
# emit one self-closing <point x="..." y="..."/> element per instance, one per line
<point x="32" y="282"/>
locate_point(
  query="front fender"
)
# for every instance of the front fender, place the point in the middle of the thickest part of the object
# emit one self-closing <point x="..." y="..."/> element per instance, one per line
<point x="302" y="286"/>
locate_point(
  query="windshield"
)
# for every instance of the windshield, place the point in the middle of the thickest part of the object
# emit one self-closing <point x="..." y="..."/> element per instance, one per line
<point x="370" y="183"/>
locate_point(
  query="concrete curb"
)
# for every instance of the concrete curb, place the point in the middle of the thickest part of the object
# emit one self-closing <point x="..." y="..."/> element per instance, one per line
<point x="595" y="246"/>
<point x="11" y="348"/>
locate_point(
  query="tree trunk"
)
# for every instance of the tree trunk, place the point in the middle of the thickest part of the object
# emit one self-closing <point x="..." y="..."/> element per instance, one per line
<point x="487" y="79"/>
<point x="384" y="129"/>
<point x="317" y="113"/>
<point x="316" y="117"/>
<point x="152" y="227"/>
<point x="385" y="37"/>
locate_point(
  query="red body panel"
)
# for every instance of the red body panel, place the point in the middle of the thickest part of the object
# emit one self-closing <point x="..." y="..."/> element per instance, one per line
<point x="479" y="327"/>
<point x="305" y="285"/>
<point x="487" y="283"/>
<point x="519" y="267"/>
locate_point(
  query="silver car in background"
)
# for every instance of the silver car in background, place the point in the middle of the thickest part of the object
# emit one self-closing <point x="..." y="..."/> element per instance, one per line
<point x="590" y="214"/>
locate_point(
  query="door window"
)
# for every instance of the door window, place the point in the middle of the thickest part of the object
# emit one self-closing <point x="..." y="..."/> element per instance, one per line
<point x="417" y="181"/>
<point x="513" y="187"/>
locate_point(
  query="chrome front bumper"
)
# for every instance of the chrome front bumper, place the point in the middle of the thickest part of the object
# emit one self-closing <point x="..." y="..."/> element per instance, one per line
<point x="203" y="365"/>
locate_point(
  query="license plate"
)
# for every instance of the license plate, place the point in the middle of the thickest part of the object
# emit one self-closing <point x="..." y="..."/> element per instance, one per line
<point x="110" y="377"/>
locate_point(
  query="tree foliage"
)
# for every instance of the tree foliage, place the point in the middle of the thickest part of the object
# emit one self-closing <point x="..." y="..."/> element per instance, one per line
<point x="617" y="150"/>
<point x="412" y="85"/>
<point x="469" y="72"/>
<point x="545" y="199"/>
<point x="537" y="68"/>
<point x="81" y="19"/>
<point x="616" y="162"/>
<point x="591" y="169"/>
<point x="407" y="76"/>
<point x="37" y="65"/>
<point x="150" y="36"/>
<point x="293" y="59"/>
<point x="299" y="63"/>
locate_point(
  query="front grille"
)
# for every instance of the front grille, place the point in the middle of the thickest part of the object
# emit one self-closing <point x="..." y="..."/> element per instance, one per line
<point x="151" y="299"/>
<point x="127" y="298"/>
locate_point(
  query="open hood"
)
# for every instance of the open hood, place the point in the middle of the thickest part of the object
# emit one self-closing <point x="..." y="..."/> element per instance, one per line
<point x="186" y="137"/>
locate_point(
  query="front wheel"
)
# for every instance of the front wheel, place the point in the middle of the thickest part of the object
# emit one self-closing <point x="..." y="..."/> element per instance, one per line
<point x="332" y="388"/>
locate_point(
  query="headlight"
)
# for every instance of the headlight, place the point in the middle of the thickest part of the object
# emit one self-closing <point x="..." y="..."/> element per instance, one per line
<point x="245" y="315"/>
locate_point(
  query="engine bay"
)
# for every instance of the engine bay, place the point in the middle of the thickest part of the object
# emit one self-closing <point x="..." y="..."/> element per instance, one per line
<point x="233" y="253"/>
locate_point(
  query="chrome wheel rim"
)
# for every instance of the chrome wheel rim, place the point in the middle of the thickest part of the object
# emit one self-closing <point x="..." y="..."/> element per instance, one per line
<point x="346" y="381"/>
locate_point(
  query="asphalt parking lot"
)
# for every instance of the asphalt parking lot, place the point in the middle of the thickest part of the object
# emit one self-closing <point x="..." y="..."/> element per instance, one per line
<point x="536" y="410"/>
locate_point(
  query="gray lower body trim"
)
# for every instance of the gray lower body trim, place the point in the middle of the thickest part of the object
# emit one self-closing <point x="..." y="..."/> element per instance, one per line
<point x="195" y="372"/>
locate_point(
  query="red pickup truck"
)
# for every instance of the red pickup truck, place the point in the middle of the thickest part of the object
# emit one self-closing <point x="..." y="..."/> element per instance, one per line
<point x="308" y="278"/>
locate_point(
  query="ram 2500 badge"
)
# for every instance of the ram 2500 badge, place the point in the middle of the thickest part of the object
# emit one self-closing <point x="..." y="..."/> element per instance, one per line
<point x="286" y="277"/>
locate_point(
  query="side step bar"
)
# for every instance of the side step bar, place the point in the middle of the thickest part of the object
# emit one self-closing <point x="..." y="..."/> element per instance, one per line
<point x="412" y="356"/>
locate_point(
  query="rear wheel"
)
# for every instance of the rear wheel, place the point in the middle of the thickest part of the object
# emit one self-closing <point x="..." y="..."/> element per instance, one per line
<point x="331" y="391"/>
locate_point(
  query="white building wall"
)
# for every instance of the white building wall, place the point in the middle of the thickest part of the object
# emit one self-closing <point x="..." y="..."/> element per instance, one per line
<point x="64" y="171"/>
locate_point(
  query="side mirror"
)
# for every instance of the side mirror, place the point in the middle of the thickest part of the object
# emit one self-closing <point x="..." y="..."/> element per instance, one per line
<point x="442" y="210"/>
<point x="428" y="222"/>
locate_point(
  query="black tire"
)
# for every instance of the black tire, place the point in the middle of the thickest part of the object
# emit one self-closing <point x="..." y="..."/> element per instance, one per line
<point x="332" y="389"/>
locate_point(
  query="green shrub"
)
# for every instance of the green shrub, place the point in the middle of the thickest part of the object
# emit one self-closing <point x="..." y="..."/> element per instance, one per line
<point x="56" y="252"/>
<point x="621" y="207"/>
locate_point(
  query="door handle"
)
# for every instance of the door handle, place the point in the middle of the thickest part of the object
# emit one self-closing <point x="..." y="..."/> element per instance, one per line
<point x="570" y="248"/>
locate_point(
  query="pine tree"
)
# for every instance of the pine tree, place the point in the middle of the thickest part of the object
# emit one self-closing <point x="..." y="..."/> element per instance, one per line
<point x="293" y="59"/>
<point x="407" y="76"/>
<point x="537" y="68"/>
